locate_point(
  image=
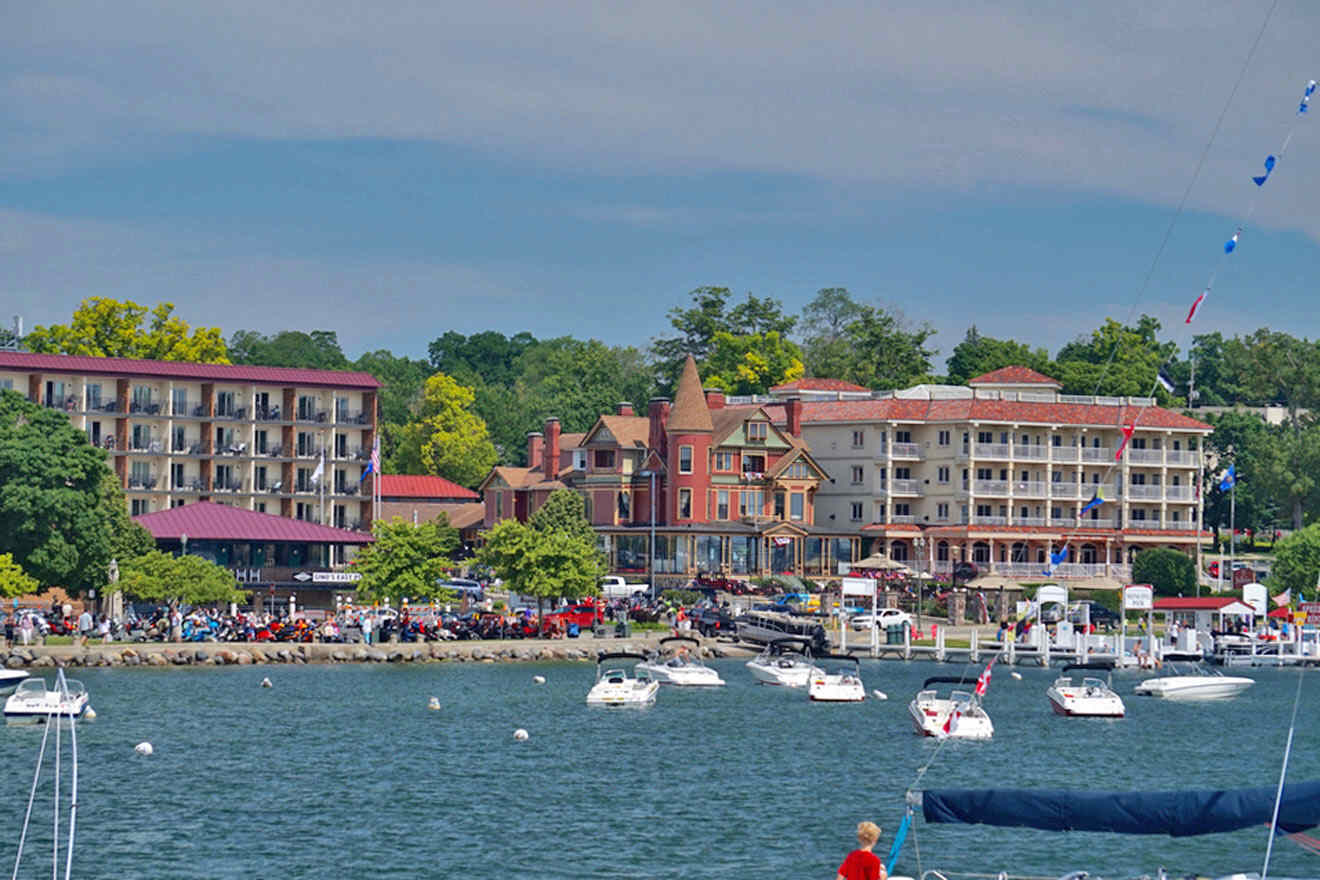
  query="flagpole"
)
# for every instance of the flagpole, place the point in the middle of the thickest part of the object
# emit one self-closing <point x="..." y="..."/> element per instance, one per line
<point x="1232" y="531"/>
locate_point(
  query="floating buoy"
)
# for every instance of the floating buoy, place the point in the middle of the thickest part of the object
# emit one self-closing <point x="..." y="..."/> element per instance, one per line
<point x="538" y="679"/>
<point x="90" y="714"/>
<point x="143" y="748"/>
<point x="433" y="704"/>
<point x="265" y="682"/>
<point x="880" y="695"/>
<point x="1016" y="675"/>
<point x="520" y="734"/>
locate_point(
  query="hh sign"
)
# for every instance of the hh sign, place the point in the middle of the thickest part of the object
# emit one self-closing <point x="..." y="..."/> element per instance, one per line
<point x="1138" y="597"/>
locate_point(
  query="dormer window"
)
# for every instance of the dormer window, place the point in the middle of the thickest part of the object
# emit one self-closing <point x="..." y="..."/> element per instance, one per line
<point x="604" y="460"/>
<point x="757" y="432"/>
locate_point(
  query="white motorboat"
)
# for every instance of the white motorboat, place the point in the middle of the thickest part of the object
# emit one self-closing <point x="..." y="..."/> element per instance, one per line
<point x="676" y="661"/>
<point x="932" y="714"/>
<point x="785" y="663"/>
<point x="10" y="678"/>
<point x="33" y="702"/>
<point x="615" y="687"/>
<point x="836" y="679"/>
<point x="1091" y="697"/>
<point x="1205" y="686"/>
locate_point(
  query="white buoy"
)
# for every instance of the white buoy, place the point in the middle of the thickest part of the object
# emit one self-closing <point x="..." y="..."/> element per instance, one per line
<point x="433" y="704"/>
<point x="538" y="679"/>
<point x="265" y="682"/>
<point x="90" y="714"/>
<point x="520" y="734"/>
<point x="1016" y="675"/>
<point x="880" y="695"/>
<point x="143" y="748"/>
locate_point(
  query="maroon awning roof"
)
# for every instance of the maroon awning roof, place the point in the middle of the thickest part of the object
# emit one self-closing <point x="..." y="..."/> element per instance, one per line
<point x="207" y="521"/>
<point x="238" y="373"/>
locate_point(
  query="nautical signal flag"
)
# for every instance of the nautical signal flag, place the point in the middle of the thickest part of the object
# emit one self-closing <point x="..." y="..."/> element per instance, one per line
<point x="983" y="680"/>
<point x="1230" y="478"/>
<point x="1127" y="435"/>
<point x="1232" y="243"/>
<point x="1269" y="166"/>
<point x="1165" y="382"/>
<point x="951" y="723"/>
<point x="1306" y="99"/>
<point x="1096" y="500"/>
<point x="1057" y="559"/>
<point x="1191" y="313"/>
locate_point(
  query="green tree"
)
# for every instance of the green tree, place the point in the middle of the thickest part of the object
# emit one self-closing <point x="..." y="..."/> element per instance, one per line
<point x="543" y="564"/>
<point x="977" y="355"/>
<point x="53" y="517"/>
<point x="1168" y="571"/>
<point x="402" y="379"/>
<point x="13" y="580"/>
<point x="407" y="560"/>
<point x="317" y="350"/>
<point x="127" y="538"/>
<point x="709" y="314"/>
<point x="191" y="580"/>
<point x="1286" y="468"/>
<point x="445" y="437"/>
<point x="490" y="357"/>
<point x="825" y="347"/>
<point x="564" y="511"/>
<point x="1115" y="360"/>
<point x="1296" y="561"/>
<point x="887" y="353"/>
<point x="752" y="363"/>
<point x="103" y="327"/>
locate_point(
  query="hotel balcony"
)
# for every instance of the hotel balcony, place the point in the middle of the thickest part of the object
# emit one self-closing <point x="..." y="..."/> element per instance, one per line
<point x="1030" y="453"/>
<point x="351" y="417"/>
<point x="142" y="484"/>
<point x="992" y="450"/>
<point x="1097" y="453"/>
<point x="899" y="488"/>
<point x="908" y="451"/>
<point x="1064" y="454"/>
<point x="1146" y="493"/>
<point x="1065" y="490"/>
<point x="1179" y="458"/>
<point x="990" y="487"/>
<point x="1030" y="488"/>
<point x="1145" y="456"/>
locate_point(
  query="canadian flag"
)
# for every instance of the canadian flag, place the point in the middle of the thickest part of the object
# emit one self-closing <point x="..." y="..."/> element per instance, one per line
<point x="983" y="680"/>
<point x="951" y="723"/>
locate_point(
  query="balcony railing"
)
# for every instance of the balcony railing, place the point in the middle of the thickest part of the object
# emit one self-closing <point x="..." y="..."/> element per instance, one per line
<point x="1178" y="457"/>
<point x="1097" y="453"/>
<point x="907" y="450"/>
<point x="1063" y="453"/>
<point x="1145" y="456"/>
<point x="228" y="485"/>
<point x="991" y="450"/>
<point x="312" y="415"/>
<point x="990" y="487"/>
<point x="153" y="447"/>
<point x="1064" y="490"/>
<point x="142" y="482"/>
<point x="1144" y="492"/>
<point x="276" y="451"/>
<point x="1029" y="488"/>
<point x="1178" y="493"/>
<point x="148" y="407"/>
<point x="991" y="520"/>
<point x="346" y="489"/>
<point x="901" y="487"/>
<point x="268" y="414"/>
<point x="903" y="518"/>
<point x="1038" y="521"/>
<point x="350" y="417"/>
<point x="1030" y="453"/>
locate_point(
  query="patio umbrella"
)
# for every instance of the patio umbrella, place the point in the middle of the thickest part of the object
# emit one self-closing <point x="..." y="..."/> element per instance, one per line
<point x="1283" y="611"/>
<point x="879" y="562"/>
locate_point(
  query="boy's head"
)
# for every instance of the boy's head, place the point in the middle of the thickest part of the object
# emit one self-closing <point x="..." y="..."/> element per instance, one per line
<point x="867" y="834"/>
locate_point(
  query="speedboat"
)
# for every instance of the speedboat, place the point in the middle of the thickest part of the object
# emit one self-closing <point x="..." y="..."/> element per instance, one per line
<point x="10" y="678"/>
<point x="676" y="662"/>
<point x="33" y="702"/>
<point x="959" y="715"/>
<point x="1092" y="697"/>
<point x="1205" y="686"/>
<point x="784" y="662"/>
<point x="837" y="678"/>
<point x="615" y="687"/>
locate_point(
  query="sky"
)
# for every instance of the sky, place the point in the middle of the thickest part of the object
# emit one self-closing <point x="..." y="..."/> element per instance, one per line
<point x="397" y="169"/>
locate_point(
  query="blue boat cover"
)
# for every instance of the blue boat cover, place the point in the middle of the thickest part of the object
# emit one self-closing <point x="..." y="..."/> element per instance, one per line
<point x="1176" y="813"/>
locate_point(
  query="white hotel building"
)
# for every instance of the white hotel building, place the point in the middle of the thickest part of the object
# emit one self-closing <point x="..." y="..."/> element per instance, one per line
<point x="996" y="473"/>
<point x="250" y="437"/>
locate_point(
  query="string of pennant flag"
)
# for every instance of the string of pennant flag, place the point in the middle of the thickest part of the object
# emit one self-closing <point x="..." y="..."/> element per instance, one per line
<point x="1162" y="380"/>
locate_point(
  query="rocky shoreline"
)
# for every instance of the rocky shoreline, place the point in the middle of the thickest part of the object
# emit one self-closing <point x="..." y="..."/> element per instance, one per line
<point x="249" y="654"/>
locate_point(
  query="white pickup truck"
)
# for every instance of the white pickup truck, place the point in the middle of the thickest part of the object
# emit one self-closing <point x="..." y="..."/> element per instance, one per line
<point x="615" y="587"/>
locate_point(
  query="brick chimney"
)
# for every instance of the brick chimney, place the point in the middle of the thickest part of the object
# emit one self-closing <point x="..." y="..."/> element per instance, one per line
<point x="550" y="451"/>
<point x="657" y="410"/>
<point x="623" y="409"/>
<point x="534" y="442"/>
<point x="793" y="410"/>
<point x="714" y="398"/>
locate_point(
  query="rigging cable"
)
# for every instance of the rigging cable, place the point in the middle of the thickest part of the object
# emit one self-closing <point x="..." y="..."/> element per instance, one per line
<point x="1283" y="773"/>
<point x="32" y="796"/>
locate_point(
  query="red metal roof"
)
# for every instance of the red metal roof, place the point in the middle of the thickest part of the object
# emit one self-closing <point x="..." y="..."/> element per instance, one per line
<point x="1195" y="603"/>
<point x="103" y="366"/>
<point x="967" y="409"/>
<point x="810" y="384"/>
<point x="208" y="521"/>
<point x="1013" y="376"/>
<point x="423" y="486"/>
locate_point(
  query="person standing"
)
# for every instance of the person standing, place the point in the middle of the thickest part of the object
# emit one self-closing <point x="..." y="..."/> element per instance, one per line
<point x="103" y="629"/>
<point x="861" y="863"/>
<point x="9" y="631"/>
<point x="85" y="625"/>
<point x="25" y="629"/>
<point x="176" y="624"/>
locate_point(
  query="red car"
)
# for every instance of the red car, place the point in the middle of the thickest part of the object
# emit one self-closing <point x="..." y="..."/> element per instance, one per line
<point x="584" y="614"/>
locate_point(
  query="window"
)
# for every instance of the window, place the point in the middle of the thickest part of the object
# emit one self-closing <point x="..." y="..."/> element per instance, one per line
<point x="499" y="505"/>
<point x="855" y="511"/>
<point x="943" y="438"/>
<point x="753" y="464"/>
<point x="724" y="461"/>
<point x="176" y="477"/>
<point x="1056" y="477"/>
<point x="779" y="505"/>
<point x="1003" y="437"/>
<point x="903" y="509"/>
<point x="1138" y="479"/>
<point x="259" y="478"/>
<point x="722" y="504"/>
<point x="984" y="474"/>
<point x="179" y="443"/>
<point x="304" y="480"/>
<point x="261" y="506"/>
<point x="797" y="470"/>
<point x="902" y="473"/>
<point x="1056" y="440"/>
<point x="983" y="510"/>
<point x="942" y="474"/>
<point x="259" y="442"/>
<point x="141" y="437"/>
<point x="1175" y="516"/>
<point x="341" y="446"/>
<point x="858" y="474"/>
<point x="93" y="395"/>
<point x="985" y="437"/>
<point x="224" y="477"/>
<point x="224" y="404"/>
<point x="797" y="506"/>
<point x="305" y="443"/>
<point x="1056" y="513"/>
<point x="757" y="432"/>
<point x="306" y="407"/>
<point x="685" y="459"/>
<point x="1138" y="442"/>
<point x="902" y="436"/>
<point x="942" y="511"/>
<point x="604" y="460"/>
<point x="685" y="504"/>
<point x="140" y="506"/>
<point x="8" y="385"/>
<point x="625" y="506"/>
<point x="751" y="502"/>
<point x="1138" y="514"/>
<point x="859" y="439"/>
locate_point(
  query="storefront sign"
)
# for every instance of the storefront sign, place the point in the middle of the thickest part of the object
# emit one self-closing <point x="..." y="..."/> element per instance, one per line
<point x="858" y="587"/>
<point x="336" y="577"/>
<point x="1138" y="597"/>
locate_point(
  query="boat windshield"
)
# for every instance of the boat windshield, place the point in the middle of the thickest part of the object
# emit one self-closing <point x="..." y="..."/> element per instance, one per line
<point x="32" y="687"/>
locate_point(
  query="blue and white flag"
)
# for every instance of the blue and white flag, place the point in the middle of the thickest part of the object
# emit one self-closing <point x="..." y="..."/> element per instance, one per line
<point x="1232" y="243"/>
<point x="1096" y="500"/>
<point x="1269" y="166"/>
<point x="1230" y="478"/>
<point x="1306" y="98"/>
<point x="1056" y="559"/>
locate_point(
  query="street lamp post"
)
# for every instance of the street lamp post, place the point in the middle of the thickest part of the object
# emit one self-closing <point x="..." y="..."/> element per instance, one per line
<point x="650" y="550"/>
<point x="919" y="542"/>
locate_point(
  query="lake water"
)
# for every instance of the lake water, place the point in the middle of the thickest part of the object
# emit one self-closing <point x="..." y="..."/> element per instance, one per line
<point x="341" y="771"/>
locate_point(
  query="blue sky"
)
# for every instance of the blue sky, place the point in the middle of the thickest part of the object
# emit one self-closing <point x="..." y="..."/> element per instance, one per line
<point x="396" y="170"/>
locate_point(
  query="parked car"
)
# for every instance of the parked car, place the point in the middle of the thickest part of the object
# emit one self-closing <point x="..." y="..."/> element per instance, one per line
<point x="584" y="614"/>
<point x="884" y="617"/>
<point x="1099" y="615"/>
<point x="714" y="621"/>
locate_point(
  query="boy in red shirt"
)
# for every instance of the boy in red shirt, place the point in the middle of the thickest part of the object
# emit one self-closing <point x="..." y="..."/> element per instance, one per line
<point x="862" y="864"/>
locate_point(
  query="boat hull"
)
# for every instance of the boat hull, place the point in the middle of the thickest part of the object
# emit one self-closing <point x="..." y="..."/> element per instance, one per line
<point x="795" y="676"/>
<point x="1194" y="687"/>
<point x="929" y="717"/>
<point x="825" y="688"/>
<point x="684" y="676"/>
<point x="1077" y="703"/>
<point x="632" y="693"/>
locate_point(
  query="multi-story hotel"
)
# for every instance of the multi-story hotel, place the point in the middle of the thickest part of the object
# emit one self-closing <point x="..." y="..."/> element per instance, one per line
<point x="251" y="437"/>
<point x="998" y="473"/>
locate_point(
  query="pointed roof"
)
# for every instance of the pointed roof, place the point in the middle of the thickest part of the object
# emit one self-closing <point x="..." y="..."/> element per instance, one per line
<point x="689" y="412"/>
<point x="208" y="521"/>
<point x="422" y="486"/>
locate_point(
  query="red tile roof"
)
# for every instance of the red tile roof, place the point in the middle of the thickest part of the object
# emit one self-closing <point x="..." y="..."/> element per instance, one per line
<point x="423" y="486"/>
<point x="967" y="409"/>
<point x="810" y="384"/>
<point x="102" y="366"/>
<point x="207" y="521"/>
<point x="1013" y="376"/>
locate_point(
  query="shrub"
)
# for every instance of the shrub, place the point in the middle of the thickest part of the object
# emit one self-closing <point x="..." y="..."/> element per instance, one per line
<point x="1167" y="571"/>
